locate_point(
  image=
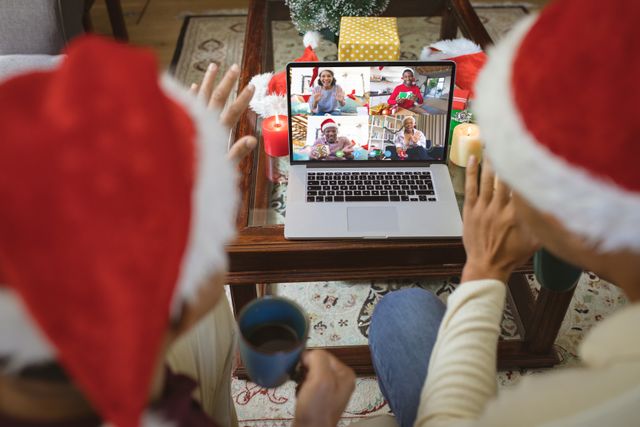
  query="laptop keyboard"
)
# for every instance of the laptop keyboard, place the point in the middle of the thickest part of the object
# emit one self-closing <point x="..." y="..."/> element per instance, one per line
<point x="370" y="187"/>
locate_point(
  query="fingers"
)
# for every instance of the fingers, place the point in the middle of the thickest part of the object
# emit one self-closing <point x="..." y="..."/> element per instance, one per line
<point x="206" y="87"/>
<point x="221" y="93"/>
<point x="347" y="377"/>
<point x="322" y="365"/>
<point x="241" y="148"/>
<point x="502" y="193"/>
<point x="316" y="361"/>
<point x="486" y="182"/>
<point x="471" y="182"/>
<point x="193" y="90"/>
<point x="231" y="116"/>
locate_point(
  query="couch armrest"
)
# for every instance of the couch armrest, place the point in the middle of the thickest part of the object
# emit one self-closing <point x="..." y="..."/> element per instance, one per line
<point x="39" y="26"/>
<point x="11" y="65"/>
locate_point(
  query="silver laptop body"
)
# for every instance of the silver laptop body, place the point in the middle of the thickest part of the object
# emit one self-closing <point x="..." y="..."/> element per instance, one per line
<point x="370" y="187"/>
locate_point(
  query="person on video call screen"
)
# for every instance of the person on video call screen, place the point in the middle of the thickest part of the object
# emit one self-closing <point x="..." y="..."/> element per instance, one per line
<point x="411" y="142"/>
<point x="327" y="96"/>
<point x="406" y="94"/>
<point x="330" y="146"/>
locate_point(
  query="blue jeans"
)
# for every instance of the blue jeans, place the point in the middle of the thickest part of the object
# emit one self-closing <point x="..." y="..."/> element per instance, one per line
<point x="403" y="330"/>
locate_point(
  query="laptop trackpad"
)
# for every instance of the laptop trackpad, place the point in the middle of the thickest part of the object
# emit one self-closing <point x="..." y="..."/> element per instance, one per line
<point x="372" y="219"/>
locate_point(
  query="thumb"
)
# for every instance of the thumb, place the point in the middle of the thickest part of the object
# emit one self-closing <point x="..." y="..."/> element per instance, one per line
<point x="241" y="148"/>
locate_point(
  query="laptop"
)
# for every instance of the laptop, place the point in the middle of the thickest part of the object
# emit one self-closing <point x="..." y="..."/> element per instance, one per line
<point x="368" y="148"/>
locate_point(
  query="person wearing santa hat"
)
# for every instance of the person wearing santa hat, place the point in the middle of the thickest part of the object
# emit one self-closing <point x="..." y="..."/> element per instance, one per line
<point x="327" y="96"/>
<point x="545" y="124"/>
<point x="117" y="198"/>
<point x="406" y="94"/>
<point x="330" y="146"/>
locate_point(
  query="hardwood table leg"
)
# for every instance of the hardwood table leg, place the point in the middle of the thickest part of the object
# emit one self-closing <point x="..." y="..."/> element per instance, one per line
<point x="449" y="26"/>
<point x="241" y="295"/>
<point x="116" y="17"/>
<point x="549" y="312"/>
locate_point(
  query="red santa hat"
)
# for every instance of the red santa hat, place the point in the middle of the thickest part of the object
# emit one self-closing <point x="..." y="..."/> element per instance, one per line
<point x="553" y="125"/>
<point x="270" y="96"/>
<point x="328" y="123"/>
<point x="115" y="206"/>
<point x="316" y="74"/>
<point x="467" y="55"/>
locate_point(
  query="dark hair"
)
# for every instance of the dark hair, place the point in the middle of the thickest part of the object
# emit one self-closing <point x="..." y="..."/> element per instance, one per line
<point x="45" y="371"/>
<point x="333" y="83"/>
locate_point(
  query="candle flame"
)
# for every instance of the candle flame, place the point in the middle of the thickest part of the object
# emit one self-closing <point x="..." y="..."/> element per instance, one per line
<point x="468" y="131"/>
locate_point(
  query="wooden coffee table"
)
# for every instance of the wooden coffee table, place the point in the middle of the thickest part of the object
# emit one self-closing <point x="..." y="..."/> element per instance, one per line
<point x="261" y="255"/>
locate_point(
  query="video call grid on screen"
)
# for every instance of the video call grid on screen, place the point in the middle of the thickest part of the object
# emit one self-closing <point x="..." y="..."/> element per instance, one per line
<point x="392" y="111"/>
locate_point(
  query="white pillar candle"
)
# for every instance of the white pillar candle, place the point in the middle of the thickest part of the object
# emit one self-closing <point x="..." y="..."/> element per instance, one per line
<point x="465" y="142"/>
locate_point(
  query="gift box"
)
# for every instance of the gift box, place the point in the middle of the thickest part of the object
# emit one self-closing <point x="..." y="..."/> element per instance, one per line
<point x="368" y="39"/>
<point x="460" y="99"/>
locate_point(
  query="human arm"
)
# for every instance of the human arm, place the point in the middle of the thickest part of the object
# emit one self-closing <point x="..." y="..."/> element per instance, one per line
<point x="394" y="94"/>
<point x="346" y="146"/>
<point x="399" y="140"/>
<point x="418" y="138"/>
<point x="325" y="392"/>
<point x="462" y="367"/>
<point x="340" y="95"/>
<point x="316" y="94"/>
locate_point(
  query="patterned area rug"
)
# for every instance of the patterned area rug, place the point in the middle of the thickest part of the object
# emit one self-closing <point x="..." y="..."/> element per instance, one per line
<point x="340" y="312"/>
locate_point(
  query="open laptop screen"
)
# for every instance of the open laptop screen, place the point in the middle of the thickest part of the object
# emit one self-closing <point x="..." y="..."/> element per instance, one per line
<point x="369" y="111"/>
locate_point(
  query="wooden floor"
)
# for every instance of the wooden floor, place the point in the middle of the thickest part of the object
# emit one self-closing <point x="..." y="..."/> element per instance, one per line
<point x="157" y="23"/>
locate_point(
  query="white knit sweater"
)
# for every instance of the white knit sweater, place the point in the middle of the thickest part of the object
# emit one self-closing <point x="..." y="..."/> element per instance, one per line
<point x="461" y="387"/>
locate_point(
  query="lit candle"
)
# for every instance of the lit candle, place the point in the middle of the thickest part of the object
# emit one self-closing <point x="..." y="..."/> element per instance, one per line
<point x="465" y="142"/>
<point x="275" y="135"/>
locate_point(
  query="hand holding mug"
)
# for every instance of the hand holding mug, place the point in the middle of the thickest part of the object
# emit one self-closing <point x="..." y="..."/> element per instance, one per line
<point x="325" y="392"/>
<point x="273" y="334"/>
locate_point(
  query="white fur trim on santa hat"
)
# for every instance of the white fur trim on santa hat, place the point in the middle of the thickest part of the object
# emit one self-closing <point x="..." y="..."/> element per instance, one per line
<point x="214" y="199"/>
<point x="20" y="338"/>
<point x="263" y="103"/>
<point x="445" y="49"/>
<point x="602" y="212"/>
<point x="311" y="38"/>
<point x="328" y="124"/>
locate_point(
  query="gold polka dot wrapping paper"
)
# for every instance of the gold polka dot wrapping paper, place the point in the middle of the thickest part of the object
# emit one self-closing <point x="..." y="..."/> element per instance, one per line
<point x="368" y="39"/>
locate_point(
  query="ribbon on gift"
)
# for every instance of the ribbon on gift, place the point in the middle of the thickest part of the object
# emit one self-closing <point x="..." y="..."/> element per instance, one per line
<point x="460" y="99"/>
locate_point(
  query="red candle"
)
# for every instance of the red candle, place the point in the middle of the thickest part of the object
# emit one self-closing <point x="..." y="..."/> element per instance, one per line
<point x="275" y="135"/>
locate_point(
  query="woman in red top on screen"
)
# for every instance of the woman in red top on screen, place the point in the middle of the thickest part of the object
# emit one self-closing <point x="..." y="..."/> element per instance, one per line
<point x="406" y="94"/>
